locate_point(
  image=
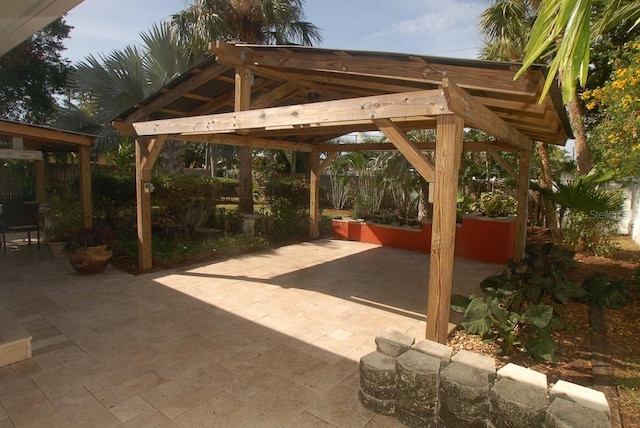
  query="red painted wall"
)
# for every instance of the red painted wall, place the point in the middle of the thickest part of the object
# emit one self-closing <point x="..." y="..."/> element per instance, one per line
<point x="477" y="238"/>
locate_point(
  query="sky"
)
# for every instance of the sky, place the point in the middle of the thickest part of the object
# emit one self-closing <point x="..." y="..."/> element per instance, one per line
<point x="428" y="27"/>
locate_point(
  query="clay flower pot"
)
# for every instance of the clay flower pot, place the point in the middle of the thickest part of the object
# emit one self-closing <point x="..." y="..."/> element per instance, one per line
<point x="90" y="260"/>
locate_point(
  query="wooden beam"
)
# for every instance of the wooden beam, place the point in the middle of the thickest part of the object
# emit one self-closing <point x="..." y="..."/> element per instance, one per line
<point x="523" y="203"/>
<point x="408" y="149"/>
<point x="246" y="141"/>
<point x="31" y="155"/>
<point x="468" y="146"/>
<point x="282" y="92"/>
<point x="504" y="164"/>
<point x="41" y="184"/>
<point x="198" y="79"/>
<point x="443" y="236"/>
<point x="326" y="162"/>
<point x="44" y="134"/>
<point x="314" y="197"/>
<point x="85" y="186"/>
<point x="376" y="65"/>
<point x="153" y="151"/>
<point x="321" y="114"/>
<point x="478" y="116"/>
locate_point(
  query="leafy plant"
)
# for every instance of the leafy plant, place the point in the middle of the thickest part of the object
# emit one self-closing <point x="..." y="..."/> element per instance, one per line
<point x="89" y="237"/>
<point x="509" y="322"/>
<point x="516" y="313"/>
<point x="601" y="291"/>
<point x="496" y="204"/>
<point x="283" y="217"/>
<point x="63" y="215"/>
<point x="540" y="275"/>
<point x="589" y="212"/>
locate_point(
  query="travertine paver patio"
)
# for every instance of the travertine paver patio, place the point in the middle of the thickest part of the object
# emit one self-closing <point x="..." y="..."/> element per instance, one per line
<point x="267" y="339"/>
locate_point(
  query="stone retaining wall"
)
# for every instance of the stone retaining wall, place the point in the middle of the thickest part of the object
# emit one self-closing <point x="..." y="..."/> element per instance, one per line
<point x="423" y="385"/>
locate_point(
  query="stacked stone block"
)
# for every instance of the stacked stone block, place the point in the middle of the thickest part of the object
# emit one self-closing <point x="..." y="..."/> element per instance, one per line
<point x="378" y="383"/>
<point x="519" y="398"/>
<point x="424" y="386"/>
<point x="417" y="389"/>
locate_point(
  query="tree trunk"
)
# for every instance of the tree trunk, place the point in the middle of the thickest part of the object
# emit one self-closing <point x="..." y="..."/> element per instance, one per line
<point x="245" y="180"/>
<point x="583" y="156"/>
<point x="546" y="181"/>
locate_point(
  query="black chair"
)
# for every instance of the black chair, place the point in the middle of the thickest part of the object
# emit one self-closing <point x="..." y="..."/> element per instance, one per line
<point x="19" y="216"/>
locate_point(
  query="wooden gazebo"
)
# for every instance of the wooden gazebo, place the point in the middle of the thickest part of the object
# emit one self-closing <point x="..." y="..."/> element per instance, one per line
<point x="29" y="142"/>
<point x="299" y="98"/>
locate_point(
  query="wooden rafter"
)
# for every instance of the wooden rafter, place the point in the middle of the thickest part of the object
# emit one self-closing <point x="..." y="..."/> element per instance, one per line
<point x="198" y="79"/>
<point x="368" y="65"/>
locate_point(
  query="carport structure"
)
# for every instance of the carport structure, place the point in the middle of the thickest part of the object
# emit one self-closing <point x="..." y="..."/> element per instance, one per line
<point x="300" y="98"/>
<point x="30" y="142"/>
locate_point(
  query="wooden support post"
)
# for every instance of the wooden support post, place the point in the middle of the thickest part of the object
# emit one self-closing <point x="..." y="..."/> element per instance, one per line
<point x="245" y="153"/>
<point x="523" y="203"/>
<point x="85" y="186"/>
<point x="147" y="152"/>
<point x="317" y="169"/>
<point x="41" y="190"/>
<point x="314" y="199"/>
<point x="443" y="237"/>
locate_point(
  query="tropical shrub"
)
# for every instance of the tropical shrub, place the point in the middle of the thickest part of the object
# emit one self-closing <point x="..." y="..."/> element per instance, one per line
<point x="517" y="313"/>
<point x="495" y="204"/>
<point x="601" y="291"/>
<point x="509" y="321"/>
<point x="187" y="200"/>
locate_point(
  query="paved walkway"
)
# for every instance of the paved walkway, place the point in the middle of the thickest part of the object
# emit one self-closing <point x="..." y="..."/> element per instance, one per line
<point x="264" y="340"/>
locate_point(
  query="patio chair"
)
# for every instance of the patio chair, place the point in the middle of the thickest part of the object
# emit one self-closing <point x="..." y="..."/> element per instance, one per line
<point x="19" y="216"/>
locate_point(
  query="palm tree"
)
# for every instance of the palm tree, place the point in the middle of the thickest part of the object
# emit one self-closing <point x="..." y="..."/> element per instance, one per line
<point x="109" y="84"/>
<point x="250" y="21"/>
<point x="565" y="30"/>
<point x="106" y="85"/>
<point x="506" y="25"/>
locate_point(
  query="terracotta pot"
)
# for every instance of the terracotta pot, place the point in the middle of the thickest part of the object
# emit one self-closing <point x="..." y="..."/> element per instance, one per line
<point x="90" y="260"/>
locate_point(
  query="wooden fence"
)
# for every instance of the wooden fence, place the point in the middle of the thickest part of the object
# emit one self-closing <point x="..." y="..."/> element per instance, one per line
<point x="17" y="179"/>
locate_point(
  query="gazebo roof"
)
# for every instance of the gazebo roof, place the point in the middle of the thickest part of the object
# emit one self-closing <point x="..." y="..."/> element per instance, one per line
<point x="484" y="92"/>
<point x="44" y="138"/>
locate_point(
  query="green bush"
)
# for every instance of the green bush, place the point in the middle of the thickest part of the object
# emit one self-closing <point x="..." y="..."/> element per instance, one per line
<point x="187" y="200"/>
<point x="296" y="190"/>
<point x="601" y="291"/>
<point x="283" y="217"/>
<point x="516" y="312"/>
<point x="512" y="324"/>
<point x="495" y="204"/>
<point x="114" y="199"/>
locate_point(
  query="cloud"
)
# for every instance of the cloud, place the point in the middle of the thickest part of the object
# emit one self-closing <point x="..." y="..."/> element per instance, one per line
<point x="447" y="28"/>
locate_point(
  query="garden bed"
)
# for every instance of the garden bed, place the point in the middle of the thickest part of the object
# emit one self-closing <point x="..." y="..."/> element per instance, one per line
<point x="574" y="357"/>
<point x="477" y="237"/>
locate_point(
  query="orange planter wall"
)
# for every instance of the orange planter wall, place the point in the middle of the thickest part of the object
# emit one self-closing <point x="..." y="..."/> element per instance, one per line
<point x="486" y="239"/>
<point x="478" y="238"/>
